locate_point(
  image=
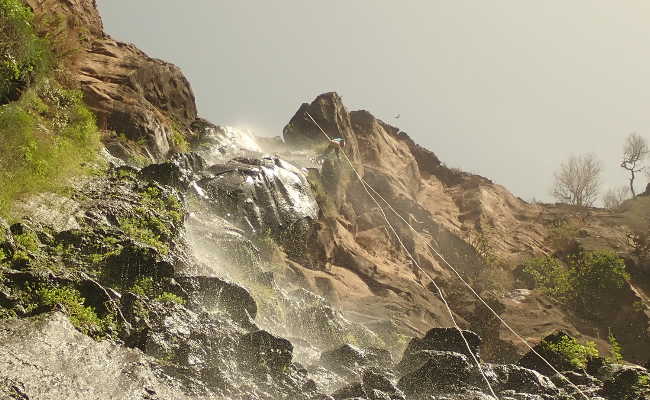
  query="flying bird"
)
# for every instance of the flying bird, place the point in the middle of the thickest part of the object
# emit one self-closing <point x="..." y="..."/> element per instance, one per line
<point x="397" y="116"/>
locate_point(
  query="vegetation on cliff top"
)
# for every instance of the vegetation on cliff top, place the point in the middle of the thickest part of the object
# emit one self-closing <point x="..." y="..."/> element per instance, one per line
<point x="47" y="132"/>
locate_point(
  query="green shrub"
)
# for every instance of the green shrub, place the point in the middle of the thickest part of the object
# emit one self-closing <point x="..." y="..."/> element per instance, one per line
<point x="146" y="230"/>
<point x="28" y="240"/>
<point x="82" y="317"/>
<point x="550" y="276"/>
<point x="47" y="137"/>
<point x="573" y="352"/>
<point x="143" y="286"/>
<point x="589" y="281"/>
<point x="615" y="349"/>
<point x="153" y="198"/>
<point x="597" y="276"/>
<point x="170" y="297"/>
<point x="178" y="141"/>
<point x="23" y="55"/>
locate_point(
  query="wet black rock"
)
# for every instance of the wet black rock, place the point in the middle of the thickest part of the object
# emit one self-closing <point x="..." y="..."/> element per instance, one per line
<point x="628" y="383"/>
<point x="262" y="350"/>
<point x="576" y="378"/>
<point x="429" y="371"/>
<point x="350" y="392"/>
<point x="447" y="339"/>
<point x="213" y="292"/>
<point x="374" y="381"/>
<point x="349" y="358"/>
<point x="266" y="195"/>
<point x="522" y="380"/>
<point x="179" y="172"/>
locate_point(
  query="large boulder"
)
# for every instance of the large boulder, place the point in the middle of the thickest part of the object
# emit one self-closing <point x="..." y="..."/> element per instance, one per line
<point x="446" y="339"/>
<point x="522" y="380"/>
<point x="263" y="351"/>
<point x="262" y="195"/>
<point x="628" y="383"/>
<point x="349" y="358"/>
<point x="433" y="371"/>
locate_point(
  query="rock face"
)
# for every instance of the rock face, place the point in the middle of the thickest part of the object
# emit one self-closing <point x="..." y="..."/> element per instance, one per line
<point x="199" y="265"/>
<point x="466" y="217"/>
<point x="132" y="94"/>
<point x="265" y="194"/>
<point x="37" y="355"/>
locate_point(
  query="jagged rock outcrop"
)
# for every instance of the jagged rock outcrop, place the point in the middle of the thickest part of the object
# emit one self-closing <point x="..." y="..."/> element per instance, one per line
<point x="466" y="217"/>
<point x="145" y="99"/>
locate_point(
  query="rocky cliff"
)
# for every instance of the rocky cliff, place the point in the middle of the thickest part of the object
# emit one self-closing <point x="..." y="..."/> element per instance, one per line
<point x="261" y="269"/>
<point x="136" y="98"/>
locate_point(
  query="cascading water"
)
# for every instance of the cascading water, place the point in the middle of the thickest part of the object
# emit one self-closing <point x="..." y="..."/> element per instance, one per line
<point x="241" y="206"/>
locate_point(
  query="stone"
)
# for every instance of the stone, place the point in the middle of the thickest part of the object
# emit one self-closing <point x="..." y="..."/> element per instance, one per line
<point x="348" y="358"/>
<point x="263" y="351"/>
<point x="351" y="391"/>
<point x="431" y="371"/>
<point x="214" y="292"/>
<point x="446" y="339"/>
<point x="373" y="380"/>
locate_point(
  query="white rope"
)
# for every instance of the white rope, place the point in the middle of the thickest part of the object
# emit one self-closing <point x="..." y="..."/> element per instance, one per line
<point x="479" y="296"/>
<point x="366" y="186"/>
<point x="442" y="297"/>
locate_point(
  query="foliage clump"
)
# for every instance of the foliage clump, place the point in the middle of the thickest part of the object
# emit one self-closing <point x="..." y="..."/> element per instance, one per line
<point x="571" y="351"/>
<point x="47" y="137"/>
<point x="588" y="281"/>
<point x="148" y="230"/>
<point x="615" y="349"/>
<point x="167" y="297"/>
<point x="24" y="56"/>
<point x="82" y="317"/>
<point x="47" y="131"/>
<point x="145" y="286"/>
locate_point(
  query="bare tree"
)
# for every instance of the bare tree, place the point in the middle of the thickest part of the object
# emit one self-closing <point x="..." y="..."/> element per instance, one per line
<point x="577" y="182"/>
<point x="613" y="198"/>
<point x="635" y="152"/>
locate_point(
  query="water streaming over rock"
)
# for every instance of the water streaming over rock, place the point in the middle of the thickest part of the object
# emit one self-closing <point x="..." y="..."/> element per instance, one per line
<point x="214" y="304"/>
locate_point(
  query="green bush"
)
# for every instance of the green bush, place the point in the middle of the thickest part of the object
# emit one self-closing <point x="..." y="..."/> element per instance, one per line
<point x="615" y="349"/>
<point x="29" y="241"/>
<point x="47" y="136"/>
<point x="23" y="55"/>
<point x="589" y="281"/>
<point x="146" y="230"/>
<point x="550" y="276"/>
<point x="143" y="286"/>
<point x="82" y="317"/>
<point x="597" y="277"/>
<point x="571" y="351"/>
<point x="170" y="297"/>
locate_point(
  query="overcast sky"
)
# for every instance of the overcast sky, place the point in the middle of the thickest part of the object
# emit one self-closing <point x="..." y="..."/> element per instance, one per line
<point x="504" y="88"/>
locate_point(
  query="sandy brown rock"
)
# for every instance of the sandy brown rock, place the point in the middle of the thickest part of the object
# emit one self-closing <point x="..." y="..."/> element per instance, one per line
<point x="132" y="94"/>
<point x="465" y="217"/>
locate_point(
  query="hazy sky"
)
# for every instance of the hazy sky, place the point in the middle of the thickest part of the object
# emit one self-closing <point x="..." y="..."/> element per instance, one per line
<point x="504" y="88"/>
